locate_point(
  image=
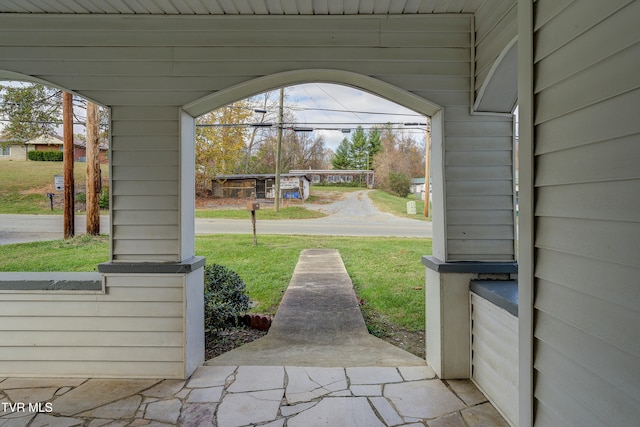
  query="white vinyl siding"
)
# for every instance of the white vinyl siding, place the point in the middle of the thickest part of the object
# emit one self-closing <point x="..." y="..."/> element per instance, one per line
<point x="145" y="177"/>
<point x="146" y="67"/>
<point x="136" y="330"/>
<point x="587" y="89"/>
<point x="494" y="362"/>
<point x="495" y="26"/>
<point x="479" y="186"/>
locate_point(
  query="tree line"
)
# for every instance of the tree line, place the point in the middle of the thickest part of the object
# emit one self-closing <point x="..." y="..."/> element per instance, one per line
<point x="241" y="138"/>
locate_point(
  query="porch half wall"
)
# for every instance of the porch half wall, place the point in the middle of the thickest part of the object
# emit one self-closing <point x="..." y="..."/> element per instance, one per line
<point x="134" y="327"/>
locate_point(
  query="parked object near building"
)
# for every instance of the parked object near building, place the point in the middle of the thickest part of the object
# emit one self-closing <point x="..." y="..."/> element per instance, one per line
<point x="292" y="186"/>
<point x="338" y="176"/>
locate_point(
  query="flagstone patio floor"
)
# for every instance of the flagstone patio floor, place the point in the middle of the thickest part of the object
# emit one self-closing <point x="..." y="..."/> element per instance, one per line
<point x="273" y="396"/>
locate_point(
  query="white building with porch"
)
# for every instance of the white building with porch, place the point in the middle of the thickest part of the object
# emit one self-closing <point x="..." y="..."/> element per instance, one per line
<point x="569" y="357"/>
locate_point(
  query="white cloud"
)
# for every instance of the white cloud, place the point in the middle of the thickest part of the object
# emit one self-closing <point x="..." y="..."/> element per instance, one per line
<point x="349" y="107"/>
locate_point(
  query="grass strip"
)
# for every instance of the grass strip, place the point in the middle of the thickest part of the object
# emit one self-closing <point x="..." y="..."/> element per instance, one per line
<point x="386" y="272"/>
<point x="397" y="205"/>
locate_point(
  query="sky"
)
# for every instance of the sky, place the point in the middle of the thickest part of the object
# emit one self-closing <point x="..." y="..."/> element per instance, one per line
<point x="325" y="106"/>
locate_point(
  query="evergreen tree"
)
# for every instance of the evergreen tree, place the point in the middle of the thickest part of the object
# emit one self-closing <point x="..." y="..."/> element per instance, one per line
<point x="359" y="149"/>
<point x="342" y="157"/>
<point x="374" y="145"/>
<point x="357" y="152"/>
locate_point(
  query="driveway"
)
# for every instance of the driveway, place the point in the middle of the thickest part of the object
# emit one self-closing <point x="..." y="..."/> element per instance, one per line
<point x="354" y="216"/>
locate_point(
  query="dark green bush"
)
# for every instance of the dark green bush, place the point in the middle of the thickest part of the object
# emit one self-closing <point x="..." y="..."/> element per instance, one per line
<point x="224" y="297"/>
<point x="399" y="184"/>
<point x="45" y="156"/>
<point x="53" y="156"/>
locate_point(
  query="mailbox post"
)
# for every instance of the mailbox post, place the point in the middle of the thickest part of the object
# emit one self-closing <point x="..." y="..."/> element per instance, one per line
<point x="50" y="196"/>
<point x="253" y="207"/>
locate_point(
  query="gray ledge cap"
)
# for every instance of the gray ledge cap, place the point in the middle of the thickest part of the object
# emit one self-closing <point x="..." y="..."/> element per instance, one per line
<point x="50" y="281"/>
<point x="489" y="267"/>
<point x="187" y="266"/>
<point x="503" y="293"/>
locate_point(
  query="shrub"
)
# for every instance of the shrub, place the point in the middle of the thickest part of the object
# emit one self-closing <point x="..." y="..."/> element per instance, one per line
<point x="399" y="184"/>
<point x="224" y="297"/>
<point x="45" y="156"/>
<point x="52" y="156"/>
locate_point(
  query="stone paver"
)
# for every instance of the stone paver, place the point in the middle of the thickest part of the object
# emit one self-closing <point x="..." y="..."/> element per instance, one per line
<point x="483" y="415"/>
<point x="206" y="395"/>
<point x="422" y="399"/>
<point x="211" y="376"/>
<point x="224" y="396"/>
<point x="467" y="391"/>
<point x="338" y="411"/>
<point x="252" y="378"/>
<point x="414" y="373"/>
<point x="240" y="409"/>
<point x="306" y="384"/>
<point x="43" y="420"/>
<point x="198" y="414"/>
<point x="31" y="395"/>
<point x="125" y="408"/>
<point x="449" y="420"/>
<point x="364" y="375"/>
<point x="98" y="392"/>
<point x="367" y="390"/>
<point x="165" y="389"/>
<point x="166" y="411"/>
<point x="388" y="413"/>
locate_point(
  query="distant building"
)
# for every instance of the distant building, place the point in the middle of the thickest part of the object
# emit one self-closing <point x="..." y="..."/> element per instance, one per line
<point x="417" y="188"/>
<point x="262" y="186"/>
<point x="338" y="176"/>
<point x="17" y="151"/>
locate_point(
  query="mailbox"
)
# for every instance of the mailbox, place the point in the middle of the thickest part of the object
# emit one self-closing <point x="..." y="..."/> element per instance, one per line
<point x="253" y="206"/>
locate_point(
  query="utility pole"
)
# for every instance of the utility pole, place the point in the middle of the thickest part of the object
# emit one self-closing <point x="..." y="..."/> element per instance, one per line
<point x="93" y="170"/>
<point x="276" y="206"/>
<point x="67" y="127"/>
<point x="427" y="149"/>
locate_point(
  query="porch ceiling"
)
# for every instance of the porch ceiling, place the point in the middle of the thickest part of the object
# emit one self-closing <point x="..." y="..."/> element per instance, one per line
<point x="241" y="7"/>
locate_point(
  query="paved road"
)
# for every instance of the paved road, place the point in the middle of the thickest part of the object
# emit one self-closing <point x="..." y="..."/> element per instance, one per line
<point x="354" y="216"/>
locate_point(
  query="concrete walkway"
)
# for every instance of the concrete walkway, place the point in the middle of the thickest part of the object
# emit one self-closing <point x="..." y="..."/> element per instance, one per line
<point x="319" y="323"/>
<point x="317" y="366"/>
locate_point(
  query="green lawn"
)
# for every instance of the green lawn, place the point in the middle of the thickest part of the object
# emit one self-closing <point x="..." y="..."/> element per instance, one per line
<point x="397" y="205"/>
<point x="387" y="273"/>
<point x="24" y="185"/>
<point x="289" y="212"/>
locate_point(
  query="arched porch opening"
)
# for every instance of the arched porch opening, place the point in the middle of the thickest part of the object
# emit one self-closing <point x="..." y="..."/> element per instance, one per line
<point x="374" y="86"/>
<point x="417" y="297"/>
<point x="362" y="82"/>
